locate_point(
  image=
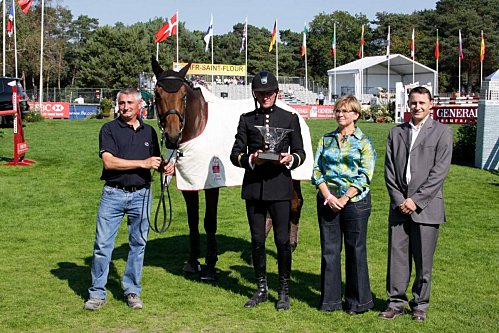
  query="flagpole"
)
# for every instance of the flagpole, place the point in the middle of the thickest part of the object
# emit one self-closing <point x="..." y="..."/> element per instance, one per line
<point x="212" y="37"/>
<point x="482" y="44"/>
<point x="157" y="52"/>
<point x="435" y="92"/>
<point x="414" y="54"/>
<point x="388" y="74"/>
<point x="305" y="44"/>
<point x="334" y="37"/>
<point x="459" y="80"/>
<point x="41" y="55"/>
<point x="178" y="31"/>
<point x="3" y="38"/>
<point x="15" y="38"/>
<point x="277" y="51"/>
<point x="481" y="73"/>
<point x="459" y="75"/>
<point x="246" y="58"/>
<point x="361" y="67"/>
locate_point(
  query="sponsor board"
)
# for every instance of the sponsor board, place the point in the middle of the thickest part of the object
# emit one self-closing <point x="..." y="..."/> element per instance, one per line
<point x="64" y="110"/>
<point x="458" y="114"/>
<point x="51" y="109"/>
<point x="215" y="69"/>
<point x="314" y="111"/>
<point x="82" y="111"/>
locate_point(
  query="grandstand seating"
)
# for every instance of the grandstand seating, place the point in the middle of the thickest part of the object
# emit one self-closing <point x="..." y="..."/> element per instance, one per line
<point x="291" y="93"/>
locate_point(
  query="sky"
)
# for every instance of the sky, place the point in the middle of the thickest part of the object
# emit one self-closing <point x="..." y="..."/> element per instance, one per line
<point x="291" y="14"/>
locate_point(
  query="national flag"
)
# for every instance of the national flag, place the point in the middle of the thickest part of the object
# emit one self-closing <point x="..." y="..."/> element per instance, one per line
<point x="333" y="42"/>
<point x="25" y="5"/>
<point x="10" y="24"/>
<point x="437" y="48"/>
<point x="169" y="29"/>
<point x="461" y="54"/>
<point x="388" y="43"/>
<point x="245" y="36"/>
<point x="209" y="34"/>
<point x="361" y="49"/>
<point x="482" y="49"/>
<point x="412" y="45"/>
<point x="304" y="44"/>
<point x="274" y="36"/>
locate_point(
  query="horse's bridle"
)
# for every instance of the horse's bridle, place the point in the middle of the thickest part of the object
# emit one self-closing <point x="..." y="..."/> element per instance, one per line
<point x="162" y="82"/>
<point x="173" y="87"/>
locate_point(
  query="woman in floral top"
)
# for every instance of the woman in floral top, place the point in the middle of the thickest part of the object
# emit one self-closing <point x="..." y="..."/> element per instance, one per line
<point x="343" y="170"/>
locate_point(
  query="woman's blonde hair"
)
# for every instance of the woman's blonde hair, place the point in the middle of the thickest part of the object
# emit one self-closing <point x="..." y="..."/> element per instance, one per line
<point x="351" y="101"/>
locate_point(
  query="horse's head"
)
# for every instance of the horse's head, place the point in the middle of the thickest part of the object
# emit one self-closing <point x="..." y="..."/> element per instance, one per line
<point x="171" y="94"/>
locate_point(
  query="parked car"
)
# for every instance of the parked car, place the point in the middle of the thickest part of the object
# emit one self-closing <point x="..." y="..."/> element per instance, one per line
<point x="6" y="100"/>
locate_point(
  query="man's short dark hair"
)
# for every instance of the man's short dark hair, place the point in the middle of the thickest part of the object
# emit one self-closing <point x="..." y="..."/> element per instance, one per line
<point x="420" y="90"/>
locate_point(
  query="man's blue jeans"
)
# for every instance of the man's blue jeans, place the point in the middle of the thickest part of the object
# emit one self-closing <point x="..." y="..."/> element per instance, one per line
<point x="114" y="204"/>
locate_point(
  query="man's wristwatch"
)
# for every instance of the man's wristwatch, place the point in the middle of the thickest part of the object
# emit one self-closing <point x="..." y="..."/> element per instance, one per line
<point x="348" y="196"/>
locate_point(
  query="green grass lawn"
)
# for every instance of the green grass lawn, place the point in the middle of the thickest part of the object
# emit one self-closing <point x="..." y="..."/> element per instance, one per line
<point x="47" y="230"/>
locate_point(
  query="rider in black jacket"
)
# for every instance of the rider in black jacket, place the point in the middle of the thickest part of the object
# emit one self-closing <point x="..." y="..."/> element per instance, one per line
<point x="267" y="184"/>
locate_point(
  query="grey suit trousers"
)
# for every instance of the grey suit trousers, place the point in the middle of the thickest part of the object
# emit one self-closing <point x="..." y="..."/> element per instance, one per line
<point x="408" y="239"/>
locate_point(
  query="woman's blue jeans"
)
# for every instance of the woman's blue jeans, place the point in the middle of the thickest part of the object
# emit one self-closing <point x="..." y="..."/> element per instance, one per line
<point x="348" y="226"/>
<point x="114" y="204"/>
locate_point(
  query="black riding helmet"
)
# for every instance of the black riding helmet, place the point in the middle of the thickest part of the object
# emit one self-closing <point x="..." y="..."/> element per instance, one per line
<point x="264" y="81"/>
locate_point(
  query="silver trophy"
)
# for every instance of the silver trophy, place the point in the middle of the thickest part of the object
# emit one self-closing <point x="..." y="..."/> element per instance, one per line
<point x="272" y="137"/>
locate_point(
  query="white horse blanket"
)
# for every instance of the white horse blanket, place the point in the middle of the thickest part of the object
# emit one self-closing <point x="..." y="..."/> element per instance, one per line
<point x="204" y="163"/>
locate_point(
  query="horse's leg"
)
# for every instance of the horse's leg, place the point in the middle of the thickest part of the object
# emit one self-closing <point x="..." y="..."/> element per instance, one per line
<point x="210" y="226"/>
<point x="296" y="205"/>
<point x="192" y="203"/>
<point x="268" y="224"/>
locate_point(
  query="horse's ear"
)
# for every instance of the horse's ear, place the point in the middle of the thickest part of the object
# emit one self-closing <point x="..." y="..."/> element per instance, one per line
<point x="184" y="70"/>
<point x="156" y="68"/>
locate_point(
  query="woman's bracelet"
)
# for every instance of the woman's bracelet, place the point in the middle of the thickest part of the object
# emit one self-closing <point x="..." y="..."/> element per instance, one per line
<point x="328" y="198"/>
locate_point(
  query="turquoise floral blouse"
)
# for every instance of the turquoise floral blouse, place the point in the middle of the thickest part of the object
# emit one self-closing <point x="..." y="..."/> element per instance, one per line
<point x="350" y="165"/>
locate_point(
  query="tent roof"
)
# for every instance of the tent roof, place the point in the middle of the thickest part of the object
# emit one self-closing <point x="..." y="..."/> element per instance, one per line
<point x="398" y="63"/>
<point x="493" y="77"/>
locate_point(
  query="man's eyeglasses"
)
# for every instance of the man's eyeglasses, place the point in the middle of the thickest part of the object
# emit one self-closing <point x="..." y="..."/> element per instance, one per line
<point x="343" y="111"/>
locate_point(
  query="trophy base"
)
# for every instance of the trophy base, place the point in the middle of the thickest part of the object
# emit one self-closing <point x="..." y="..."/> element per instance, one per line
<point x="269" y="156"/>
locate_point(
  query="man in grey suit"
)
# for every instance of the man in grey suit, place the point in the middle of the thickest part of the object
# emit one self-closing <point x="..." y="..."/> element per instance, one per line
<point x="418" y="157"/>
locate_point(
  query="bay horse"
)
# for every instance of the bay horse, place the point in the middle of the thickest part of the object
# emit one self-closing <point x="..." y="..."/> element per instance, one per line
<point x="182" y="115"/>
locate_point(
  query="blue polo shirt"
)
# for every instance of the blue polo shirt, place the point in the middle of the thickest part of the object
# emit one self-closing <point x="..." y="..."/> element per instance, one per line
<point x="123" y="141"/>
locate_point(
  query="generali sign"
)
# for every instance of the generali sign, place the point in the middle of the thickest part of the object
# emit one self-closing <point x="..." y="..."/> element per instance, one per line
<point x="314" y="111"/>
<point x="51" y="109"/>
<point x="455" y="114"/>
<point x="461" y="114"/>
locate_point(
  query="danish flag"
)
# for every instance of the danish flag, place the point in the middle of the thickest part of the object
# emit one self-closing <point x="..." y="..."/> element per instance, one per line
<point x="169" y="29"/>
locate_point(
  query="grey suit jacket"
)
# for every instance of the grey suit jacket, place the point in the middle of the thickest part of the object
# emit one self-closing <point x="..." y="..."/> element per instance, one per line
<point x="430" y="161"/>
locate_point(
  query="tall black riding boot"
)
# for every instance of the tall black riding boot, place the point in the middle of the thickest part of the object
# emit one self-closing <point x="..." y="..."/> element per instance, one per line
<point x="260" y="265"/>
<point x="284" y="266"/>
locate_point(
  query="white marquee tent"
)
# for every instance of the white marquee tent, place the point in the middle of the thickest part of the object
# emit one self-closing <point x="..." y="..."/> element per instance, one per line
<point x="374" y="72"/>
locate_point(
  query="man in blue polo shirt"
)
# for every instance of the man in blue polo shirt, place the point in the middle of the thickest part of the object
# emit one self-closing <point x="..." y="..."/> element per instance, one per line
<point x="129" y="149"/>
